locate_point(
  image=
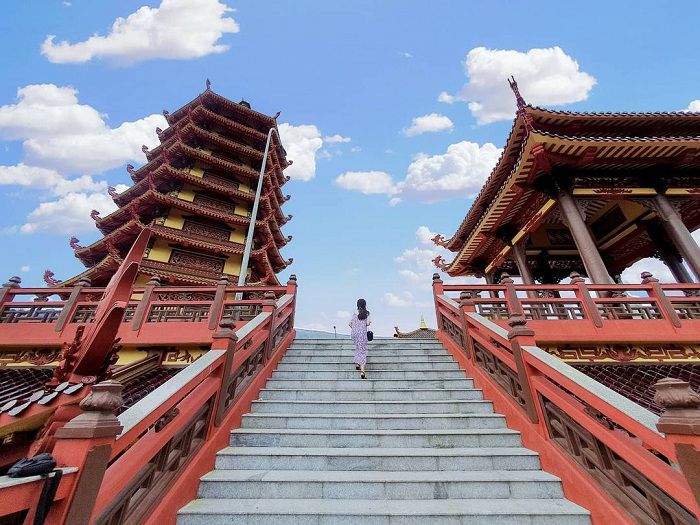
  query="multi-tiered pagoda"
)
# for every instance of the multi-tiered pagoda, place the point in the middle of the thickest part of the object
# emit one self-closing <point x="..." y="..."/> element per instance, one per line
<point x="196" y="192"/>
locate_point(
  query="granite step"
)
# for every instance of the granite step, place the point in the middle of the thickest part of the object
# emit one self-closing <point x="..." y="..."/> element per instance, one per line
<point x="360" y="408"/>
<point x="375" y="374"/>
<point x="398" y="394"/>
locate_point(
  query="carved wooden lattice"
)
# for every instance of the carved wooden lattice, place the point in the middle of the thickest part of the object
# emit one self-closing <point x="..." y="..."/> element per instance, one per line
<point x="85" y="313"/>
<point x="493" y="310"/>
<point x="501" y="373"/>
<point x="215" y="204"/>
<point x="627" y="310"/>
<point x="197" y="261"/>
<point x="206" y="231"/>
<point x="643" y="500"/>
<point x="192" y="313"/>
<point x="134" y="503"/>
<point x="558" y="310"/>
<point x="453" y="331"/>
<point x="221" y="181"/>
<point x="242" y="312"/>
<point x="30" y="314"/>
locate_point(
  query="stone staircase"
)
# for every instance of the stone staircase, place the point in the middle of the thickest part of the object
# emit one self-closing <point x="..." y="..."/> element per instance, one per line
<point x="414" y="443"/>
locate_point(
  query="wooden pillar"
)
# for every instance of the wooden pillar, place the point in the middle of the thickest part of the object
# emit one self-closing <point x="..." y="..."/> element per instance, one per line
<point x="521" y="262"/>
<point x="491" y="279"/>
<point x="593" y="262"/>
<point x="437" y="290"/>
<point x="70" y="304"/>
<point x="292" y="290"/>
<point x="678" y="269"/>
<point x="681" y="424"/>
<point x="678" y="233"/>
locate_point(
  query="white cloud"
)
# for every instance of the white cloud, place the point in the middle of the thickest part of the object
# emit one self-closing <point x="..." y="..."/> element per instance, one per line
<point x="301" y="143"/>
<point x="632" y="275"/>
<point x="336" y="139"/>
<point x="59" y="132"/>
<point x="24" y="269"/>
<point x="343" y="314"/>
<point x="355" y="149"/>
<point x="177" y="29"/>
<point x="403" y="300"/>
<point x="693" y="106"/>
<point x="545" y="77"/>
<point x="31" y="176"/>
<point x="69" y="214"/>
<point x="459" y="172"/>
<point x="406" y="54"/>
<point x="367" y="182"/>
<point x="430" y="123"/>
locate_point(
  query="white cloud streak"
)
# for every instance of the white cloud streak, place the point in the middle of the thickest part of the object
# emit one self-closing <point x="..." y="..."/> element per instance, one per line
<point x="302" y="144"/>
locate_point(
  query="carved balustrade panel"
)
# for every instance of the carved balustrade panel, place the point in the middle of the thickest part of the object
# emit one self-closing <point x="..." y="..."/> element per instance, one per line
<point x="493" y="310"/>
<point x="188" y="313"/>
<point x="453" y="331"/>
<point x="85" y="313"/>
<point x="30" y="314"/>
<point x="206" y="231"/>
<point x="197" y="261"/>
<point x="243" y="375"/>
<point x="185" y="296"/>
<point x="552" y="311"/>
<point x="214" y="204"/>
<point x="629" y="310"/>
<point x="642" y="499"/>
<point x="240" y="312"/>
<point x="687" y="309"/>
<point x="501" y="373"/>
<point x="134" y="502"/>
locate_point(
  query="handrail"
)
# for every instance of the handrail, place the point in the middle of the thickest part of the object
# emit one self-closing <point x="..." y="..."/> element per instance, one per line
<point x="623" y="463"/>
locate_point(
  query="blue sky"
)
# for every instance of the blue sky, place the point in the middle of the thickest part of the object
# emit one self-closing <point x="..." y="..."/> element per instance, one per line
<point x="360" y="70"/>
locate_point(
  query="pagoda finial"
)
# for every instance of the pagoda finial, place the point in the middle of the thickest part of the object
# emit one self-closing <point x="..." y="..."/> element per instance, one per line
<point x="112" y="191"/>
<point x="144" y="148"/>
<point x="422" y="323"/>
<point x="94" y="215"/>
<point x="277" y="115"/>
<point x="130" y="169"/>
<point x="208" y="83"/>
<point x="159" y="131"/>
<point x="166" y="114"/>
<point x="74" y="243"/>
<point x="290" y="261"/>
<point x="520" y="102"/>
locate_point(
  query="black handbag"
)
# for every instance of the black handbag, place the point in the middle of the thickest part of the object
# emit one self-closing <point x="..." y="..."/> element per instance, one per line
<point x="370" y="335"/>
<point x="40" y="465"/>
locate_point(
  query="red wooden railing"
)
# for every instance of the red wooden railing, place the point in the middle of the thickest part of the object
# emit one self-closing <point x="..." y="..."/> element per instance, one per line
<point x="148" y="469"/>
<point x="608" y="451"/>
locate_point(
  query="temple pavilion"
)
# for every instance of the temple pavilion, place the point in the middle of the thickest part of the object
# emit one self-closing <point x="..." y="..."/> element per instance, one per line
<point x="196" y="192"/>
<point x="591" y="193"/>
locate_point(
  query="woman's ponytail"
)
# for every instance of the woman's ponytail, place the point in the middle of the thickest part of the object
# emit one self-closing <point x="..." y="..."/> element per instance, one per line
<point x="362" y="312"/>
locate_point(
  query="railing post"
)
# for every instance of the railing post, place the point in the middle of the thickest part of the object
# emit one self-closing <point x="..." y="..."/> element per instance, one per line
<point x="224" y="339"/>
<point x="438" y="289"/>
<point x="681" y="424"/>
<point x="218" y="305"/>
<point x="514" y="306"/>
<point x="86" y="442"/>
<point x="69" y="305"/>
<point x="662" y="299"/>
<point x="13" y="282"/>
<point x="519" y="335"/>
<point x="292" y="290"/>
<point x="269" y="305"/>
<point x="466" y="305"/>
<point x="141" y="312"/>
<point x="587" y="302"/>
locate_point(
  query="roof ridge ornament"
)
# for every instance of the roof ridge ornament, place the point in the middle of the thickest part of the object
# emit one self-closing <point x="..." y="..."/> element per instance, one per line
<point x="208" y="84"/>
<point x="522" y="105"/>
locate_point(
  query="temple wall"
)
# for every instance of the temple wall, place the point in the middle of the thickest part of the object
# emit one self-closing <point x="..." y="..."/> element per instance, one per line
<point x="233" y="265"/>
<point x="160" y="251"/>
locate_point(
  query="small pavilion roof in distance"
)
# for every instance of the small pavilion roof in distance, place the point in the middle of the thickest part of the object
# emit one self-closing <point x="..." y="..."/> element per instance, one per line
<point x="422" y="332"/>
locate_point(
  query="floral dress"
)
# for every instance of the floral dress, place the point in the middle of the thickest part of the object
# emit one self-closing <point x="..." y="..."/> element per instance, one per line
<point x="358" y="333"/>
